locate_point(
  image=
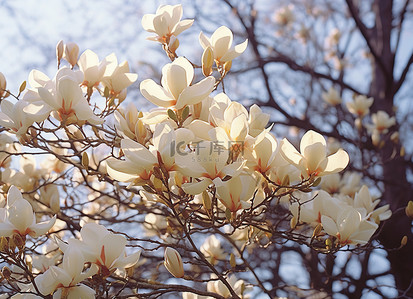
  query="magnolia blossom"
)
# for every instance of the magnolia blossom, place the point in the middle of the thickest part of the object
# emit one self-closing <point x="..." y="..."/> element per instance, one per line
<point x="236" y="193"/>
<point x="360" y="105"/>
<point x="63" y="281"/>
<point x="218" y="287"/>
<point x="129" y="122"/>
<point x="208" y="164"/>
<point x="381" y="122"/>
<point x="176" y="89"/>
<point x="284" y="16"/>
<point x="262" y="155"/>
<point x="332" y="97"/>
<point x="92" y="70"/>
<point x="66" y="100"/>
<point x="6" y="147"/>
<point x="14" y="118"/>
<point x="18" y="217"/>
<point x="103" y="248"/>
<point x="349" y="227"/>
<point x="212" y="250"/>
<point x="117" y="77"/>
<point x="221" y="44"/>
<point x="257" y="120"/>
<point x="173" y="262"/>
<point x="139" y="160"/>
<point x="165" y="23"/>
<point x="313" y="160"/>
<point x="364" y="203"/>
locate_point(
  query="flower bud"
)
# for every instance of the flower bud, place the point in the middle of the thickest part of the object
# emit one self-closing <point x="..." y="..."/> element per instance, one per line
<point x="375" y="138"/>
<point x="173" y="262"/>
<point x="173" y="44"/>
<point x="409" y="209"/>
<point x="71" y="53"/>
<point x="207" y="61"/>
<point x="227" y="66"/>
<point x="3" y="85"/>
<point x="59" y="52"/>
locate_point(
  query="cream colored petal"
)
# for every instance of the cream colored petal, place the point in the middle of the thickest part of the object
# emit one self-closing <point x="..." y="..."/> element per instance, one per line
<point x="147" y="22"/>
<point x="176" y="78"/>
<point x="204" y="41"/>
<point x="138" y="154"/>
<point x="127" y="261"/>
<point x="196" y="187"/>
<point x="311" y="137"/>
<point x="156" y="94"/>
<point x="121" y="170"/>
<point x="337" y="162"/>
<point x="234" y="53"/>
<point x="221" y="41"/>
<point x="200" y="129"/>
<point x="314" y="155"/>
<point x="195" y="93"/>
<point x="42" y="228"/>
<point x="289" y="153"/>
<point x="329" y="225"/>
<point x="182" y="25"/>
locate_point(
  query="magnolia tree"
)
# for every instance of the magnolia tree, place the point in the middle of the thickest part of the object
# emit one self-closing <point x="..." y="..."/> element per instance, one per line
<point x="196" y="198"/>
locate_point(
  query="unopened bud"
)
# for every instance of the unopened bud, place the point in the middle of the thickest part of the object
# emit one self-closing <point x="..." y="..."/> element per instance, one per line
<point x="173" y="262"/>
<point x="293" y="222"/>
<point x="71" y="53"/>
<point x="375" y="138"/>
<point x="394" y="137"/>
<point x="358" y="123"/>
<point x="329" y="243"/>
<point x="3" y="84"/>
<point x="409" y="209"/>
<point x="207" y="61"/>
<point x="227" y="66"/>
<point x="317" y="230"/>
<point x="59" y="52"/>
<point x="403" y="242"/>
<point x="402" y="151"/>
<point x="85" y="160"/>
<point x="232" y="260"/>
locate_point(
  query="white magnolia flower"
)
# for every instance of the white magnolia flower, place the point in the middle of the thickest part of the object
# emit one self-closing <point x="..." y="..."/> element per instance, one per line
<point x="237" y="193"/>
<point x="365" y="204"/>
<point x="18" y="217"/>
<point x="71" y="53"/>
<point x="165" y="23"/>
<point x="257" y="120"/>
<point x="360" y="105"/>
<point x="173" y="262"/>
<point x="117" y="77"/>
<point x="332" y="97"/>
<point x="348" y="227"/>
<point x="92" y="70"/>
<point x="212" y="250"/>
<point x="66" y="100"/>
<point x="381" y="122"/>
<point x="218" y="287"/>
<point x="313" y="160"/>
<point x="63" y="281"/>
<point x="176" y="90"/>
<point x="103" y="248"/>
<point x="208" y="164"/>
<point x="221" y="44"/>
<point x="14" y="118"/>
<point x="130" y="124"/>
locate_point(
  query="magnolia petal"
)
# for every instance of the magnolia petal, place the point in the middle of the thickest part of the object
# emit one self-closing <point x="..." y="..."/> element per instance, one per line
<point x="42" y="227"/>
<point x="196" y="187"/>
<point x="221" y="41"/>
<point x="311" y="137"/>
<point x="195" y="93"/>
<point x="289" y="153"/>
<point x="182" y="25"/>
<point x="128" y="261"/>
<point x="329" y="225"/>
<point x="337" y="162"/>
<point x="138" y="154"/>
<point x="6" y="229"/>
<point x="315" y="154"/>
<point x="147" y="22"/>
<point x="204" y="41"/>
<point x="234" y="53"/>
<point x="155" y="94"/>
